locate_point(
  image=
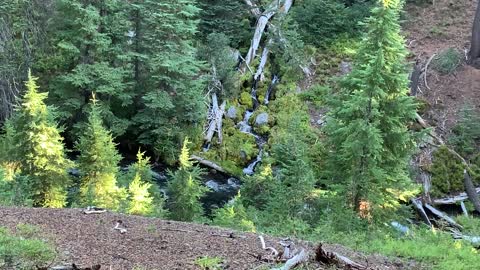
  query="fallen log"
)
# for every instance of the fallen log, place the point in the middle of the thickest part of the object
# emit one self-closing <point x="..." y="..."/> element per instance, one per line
<point x="443" y="216"/>
<point x="453" y="199"/>
<point x="208" y="163"/>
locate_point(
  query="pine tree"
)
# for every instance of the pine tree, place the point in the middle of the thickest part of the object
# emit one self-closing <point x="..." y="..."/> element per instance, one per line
<point x="228" y="17"/>
<point x="140" y="201"/>
<point x="368" y="135"/>
<point x="172" y="101"/>
<point x="39" y="149"/>
<point x="185" y="189"/>
<point x="90" y="52"/>
<point x="234" y="215"/>
<point x="145" y="196"/>
<point x="98" y="164"/>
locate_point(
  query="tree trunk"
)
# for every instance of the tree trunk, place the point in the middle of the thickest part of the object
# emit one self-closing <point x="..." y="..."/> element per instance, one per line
<point x="474" y="53"/>
<point x="470" y="189"/>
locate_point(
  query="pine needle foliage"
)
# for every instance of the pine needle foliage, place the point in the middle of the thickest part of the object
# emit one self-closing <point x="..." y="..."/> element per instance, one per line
<point x="39" y="150"/>
<point x="144" y="195"/>
<point x="185" y="190"/>
<point x="98" y="164"/>
<point x="368" y="135"/>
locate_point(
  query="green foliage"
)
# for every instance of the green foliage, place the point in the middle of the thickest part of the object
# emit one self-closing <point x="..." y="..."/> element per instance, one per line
<point x="145" y="197"/>
<point x="447" y="172"/>
<point x="172" y="102"/>
<point x="227" y="17"/>
<point x="209" y="263"/>
<point x="89" y="52"/>
<point x="233" y="215"/>
<point x="185" y="190"/>
<point x="321" y="21"/>
<point x="222" y="60"/>
<point x="447" y="61"/>
<point x="98" y="164"/>
<point x="467" y="131"/>
<point x="367" y="128"/>
<point x="39" y="150"/>
<point x="15" y="191"/>
<point x="24" y="251"/>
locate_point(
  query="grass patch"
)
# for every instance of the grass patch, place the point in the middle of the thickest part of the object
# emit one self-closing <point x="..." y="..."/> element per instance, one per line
<point x="24" y="250"/>
<point x="447" y="61"/>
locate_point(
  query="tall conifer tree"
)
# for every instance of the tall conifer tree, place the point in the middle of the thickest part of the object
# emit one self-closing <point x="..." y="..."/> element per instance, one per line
<point x="368" y="125"/>
<point x="39" y="149"/>
<point x="171" y="103"/>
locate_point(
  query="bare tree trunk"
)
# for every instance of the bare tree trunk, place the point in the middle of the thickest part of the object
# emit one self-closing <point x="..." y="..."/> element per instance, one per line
<point x="475" y="42"/>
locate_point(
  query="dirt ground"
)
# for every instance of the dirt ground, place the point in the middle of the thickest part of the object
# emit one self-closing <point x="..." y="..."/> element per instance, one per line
<point x="430" y="29"/>
<point x="149" y="243"/>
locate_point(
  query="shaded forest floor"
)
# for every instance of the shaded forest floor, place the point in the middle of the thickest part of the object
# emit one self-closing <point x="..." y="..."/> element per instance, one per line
<point x="150" y="243"/>
<point x="431" y="29"/>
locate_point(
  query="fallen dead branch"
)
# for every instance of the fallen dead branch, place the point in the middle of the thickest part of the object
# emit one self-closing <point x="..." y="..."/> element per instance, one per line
<point x="94" y="210"/>
<point x="425" y="73"/>
<point x="418" y="204"/>
<point x="443" y="216"/>
<point x="264" y="247"/>
<point x="119" y="228"/>
<point x="333" y="258"/>
<point x="70" y="267"/>
<point x="230" y="235"/>
<point x="296" y="260"/>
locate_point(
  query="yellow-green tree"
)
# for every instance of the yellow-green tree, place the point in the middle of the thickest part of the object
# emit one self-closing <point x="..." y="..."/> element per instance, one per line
<point x="98" y="164"/>
<point x="39" y="150"/>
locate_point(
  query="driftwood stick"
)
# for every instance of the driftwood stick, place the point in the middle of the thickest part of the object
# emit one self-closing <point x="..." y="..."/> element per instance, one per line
<point x="264" y="246"/>
<point x="208" y="163"/>
<point x="329" y="258"/>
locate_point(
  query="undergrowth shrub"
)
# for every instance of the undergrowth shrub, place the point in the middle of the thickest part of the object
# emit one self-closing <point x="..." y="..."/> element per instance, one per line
<point x="447" y="61"/>
<point x="24" y="251"/>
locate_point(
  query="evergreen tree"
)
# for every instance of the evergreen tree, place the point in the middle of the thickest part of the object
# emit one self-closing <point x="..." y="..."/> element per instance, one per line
<point x="98" y="164"/>
<point x="145" y="197"/>
<point x="228" y="17"/>
<point x="90" y="52"/>
<point x="172" y="100"/>
<point x="39" y="150"/>
<point x="140" y="201"/>
<point x="369" y="140"/>
<point x="234" y="215"/>
<point x="185" y="189"/>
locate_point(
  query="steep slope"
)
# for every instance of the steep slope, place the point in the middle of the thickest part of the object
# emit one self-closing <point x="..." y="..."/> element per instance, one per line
<point x="431" y="29"/>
